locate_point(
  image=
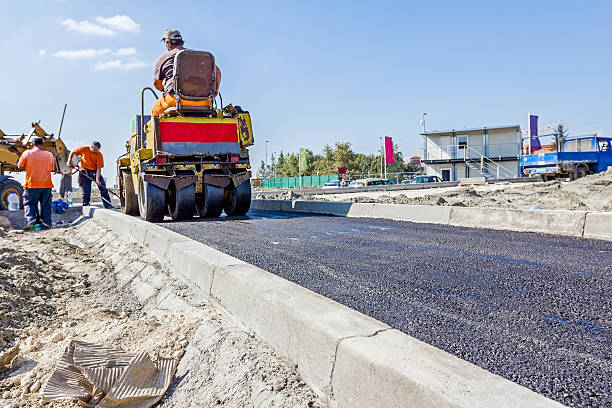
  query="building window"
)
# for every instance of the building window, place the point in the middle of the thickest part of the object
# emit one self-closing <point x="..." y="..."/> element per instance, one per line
<point x="462" y="142"/>
<point x="446" y="174"/>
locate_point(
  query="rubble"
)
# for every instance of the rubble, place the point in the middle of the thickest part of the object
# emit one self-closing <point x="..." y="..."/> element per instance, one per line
<point x="590" y="193"/>
<point x="34" y="334"/>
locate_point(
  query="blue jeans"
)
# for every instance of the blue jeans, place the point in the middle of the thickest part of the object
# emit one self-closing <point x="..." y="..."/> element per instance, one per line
<point x="31" y="198"/>
<point x="86" y="185"/>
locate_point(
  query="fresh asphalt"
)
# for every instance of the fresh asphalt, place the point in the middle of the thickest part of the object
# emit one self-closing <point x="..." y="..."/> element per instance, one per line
<point x="533" y="308"/>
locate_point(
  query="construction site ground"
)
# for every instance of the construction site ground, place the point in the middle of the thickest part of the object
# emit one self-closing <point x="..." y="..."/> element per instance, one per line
<point x="592" y="193"/>
<point x="84" y="282"/>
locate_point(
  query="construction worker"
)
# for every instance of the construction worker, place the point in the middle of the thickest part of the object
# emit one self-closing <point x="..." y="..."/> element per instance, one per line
<point x="90" y="170"/>
<point x="38" y="164"/>
<point x="164" y="70"/>
<point x="65" y="186"/>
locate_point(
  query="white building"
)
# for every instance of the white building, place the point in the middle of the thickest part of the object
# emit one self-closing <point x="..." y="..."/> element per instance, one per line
<point x="492" y="152"/>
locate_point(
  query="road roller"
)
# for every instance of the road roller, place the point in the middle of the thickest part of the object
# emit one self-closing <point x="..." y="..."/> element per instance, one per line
<point x="191" y="160"/>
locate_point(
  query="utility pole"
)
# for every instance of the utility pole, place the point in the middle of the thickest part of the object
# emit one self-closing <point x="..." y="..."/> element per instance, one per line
<point x="424" y="138"/>
<point x="267" y="154"/>
<point x="382" y="152"/>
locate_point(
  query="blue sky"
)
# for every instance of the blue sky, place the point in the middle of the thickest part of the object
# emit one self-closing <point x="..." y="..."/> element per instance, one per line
<point x="317" y="72"/>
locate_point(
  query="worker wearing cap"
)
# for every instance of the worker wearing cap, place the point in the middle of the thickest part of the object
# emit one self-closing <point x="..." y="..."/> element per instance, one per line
<point x="38" y="164"/>
<point x="91" y="166"/>
<point x="164" y="70"/>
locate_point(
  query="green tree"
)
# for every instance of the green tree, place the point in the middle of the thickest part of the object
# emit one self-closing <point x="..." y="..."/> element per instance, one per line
<point x="398" y="161"/>
<point x="343" y="156"/>
<point x="561" y="133"/>
<point x="262" y="172"/>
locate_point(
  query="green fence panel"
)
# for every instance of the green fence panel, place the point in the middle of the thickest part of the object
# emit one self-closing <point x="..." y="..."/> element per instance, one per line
<point x="294" y="182"/>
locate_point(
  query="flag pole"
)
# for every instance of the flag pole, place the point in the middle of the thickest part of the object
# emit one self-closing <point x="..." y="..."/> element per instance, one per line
<point x="300" y="166"/>
<point x="385" y="157"/>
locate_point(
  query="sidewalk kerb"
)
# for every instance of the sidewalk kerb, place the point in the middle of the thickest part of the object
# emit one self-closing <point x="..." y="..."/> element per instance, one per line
<point x="324" y="339"/>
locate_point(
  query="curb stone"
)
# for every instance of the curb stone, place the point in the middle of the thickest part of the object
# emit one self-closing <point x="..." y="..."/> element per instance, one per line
<point x="349" y="359"/>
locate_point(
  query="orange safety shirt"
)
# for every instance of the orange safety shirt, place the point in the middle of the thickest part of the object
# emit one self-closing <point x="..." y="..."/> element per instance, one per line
<point x="89" y="159"/>
<point x="38" y="164"/>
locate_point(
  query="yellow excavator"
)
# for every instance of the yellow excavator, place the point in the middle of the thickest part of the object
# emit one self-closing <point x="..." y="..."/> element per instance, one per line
<point x="11" y="148"/>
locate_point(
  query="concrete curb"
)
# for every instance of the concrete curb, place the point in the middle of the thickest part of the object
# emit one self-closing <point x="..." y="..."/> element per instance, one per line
<point x="349" y="359"/>
<point x="598" y="225"/>
<point x="594" y="225"/>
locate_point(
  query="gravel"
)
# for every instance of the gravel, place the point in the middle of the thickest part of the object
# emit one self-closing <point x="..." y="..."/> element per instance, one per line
<point x="533" y="308"/>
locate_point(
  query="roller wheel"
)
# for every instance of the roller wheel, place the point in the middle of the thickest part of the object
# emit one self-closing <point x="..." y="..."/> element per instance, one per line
<point x="181" y="203"/>
<point x="8" y="186"/>
<point x="151" y="201"/>
<point x="238" y="199"/>
<point x="129" y="198"/>
<point x="210" y="203"/>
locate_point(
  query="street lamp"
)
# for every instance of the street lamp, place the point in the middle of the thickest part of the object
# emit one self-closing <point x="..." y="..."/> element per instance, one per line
<point x="424" y="137"/>
<point x="267" y="154"/>
<point x="423" y="121"/>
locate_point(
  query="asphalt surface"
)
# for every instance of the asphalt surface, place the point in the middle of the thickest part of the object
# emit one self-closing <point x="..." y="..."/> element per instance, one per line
<point x="533" y="308"/>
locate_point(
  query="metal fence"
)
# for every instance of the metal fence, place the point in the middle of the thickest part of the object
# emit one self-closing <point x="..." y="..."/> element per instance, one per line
<point x="318" y="181"/>
<point x="307" y="181"/>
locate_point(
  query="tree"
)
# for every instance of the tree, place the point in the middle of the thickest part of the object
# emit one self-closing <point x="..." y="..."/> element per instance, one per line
<point x="398" y="161"/>
<point x="332" y="158"/>
<point x="343" y="156"/>
<point x="561" y="133"/>
<point x="262" y="172"/>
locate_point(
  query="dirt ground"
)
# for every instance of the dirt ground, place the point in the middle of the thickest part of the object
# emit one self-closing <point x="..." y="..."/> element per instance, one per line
<point x="592" y="193"/>
<point x="84" y="282"/>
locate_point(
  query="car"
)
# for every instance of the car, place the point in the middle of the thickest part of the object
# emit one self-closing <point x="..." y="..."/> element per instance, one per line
<point x="367" y="183"/>
<point x="407" y="181"/>
<point x="332" y="184"/>
<point x="426" y="179"/>
<point x="389" y="181"/>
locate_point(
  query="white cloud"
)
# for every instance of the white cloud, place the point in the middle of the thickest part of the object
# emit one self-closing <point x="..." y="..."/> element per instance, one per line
<point x="125" y="51"/>
<point x="119" y="64"/>
<point x="42" y="53"/>
<point x="120" y="23"/>
<point x="79" y="54"/>
<point x="87" y="27"/>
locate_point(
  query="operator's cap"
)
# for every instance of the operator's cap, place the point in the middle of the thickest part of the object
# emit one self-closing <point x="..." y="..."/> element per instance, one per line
<point x="172" y="34"/>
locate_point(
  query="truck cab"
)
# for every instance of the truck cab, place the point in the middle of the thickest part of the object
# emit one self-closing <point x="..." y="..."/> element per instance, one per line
<point x="577" y="157"/>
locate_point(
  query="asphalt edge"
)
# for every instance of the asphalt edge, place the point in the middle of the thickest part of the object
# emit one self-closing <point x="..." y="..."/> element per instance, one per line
<point x="349" y="359"/>
<point x="582" y="224"/>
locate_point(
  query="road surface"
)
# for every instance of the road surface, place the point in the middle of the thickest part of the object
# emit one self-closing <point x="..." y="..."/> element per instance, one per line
<point x="535" y="309"/>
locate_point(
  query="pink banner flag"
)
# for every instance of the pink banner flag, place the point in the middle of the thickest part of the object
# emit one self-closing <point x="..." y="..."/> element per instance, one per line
<point x="389" y="149"/>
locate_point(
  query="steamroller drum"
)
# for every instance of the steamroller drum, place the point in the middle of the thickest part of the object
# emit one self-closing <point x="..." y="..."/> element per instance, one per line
<point x="181" y="202"/>
<point x="210" y="203"/>
<point x="129" y="198"/>
<point x="151" y="200"/>
<point x="238" y="199"/>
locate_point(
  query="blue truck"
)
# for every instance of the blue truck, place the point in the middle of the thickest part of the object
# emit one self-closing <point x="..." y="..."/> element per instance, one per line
<point x="577" y="157"/>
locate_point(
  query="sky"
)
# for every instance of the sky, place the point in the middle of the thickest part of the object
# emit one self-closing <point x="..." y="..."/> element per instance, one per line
<point x="316" y="72"/>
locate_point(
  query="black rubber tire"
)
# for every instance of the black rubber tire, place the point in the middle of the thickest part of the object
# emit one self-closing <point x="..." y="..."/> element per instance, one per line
<point x="151" y="201"/>
<point x="238" y="200"/>
<point x="6" y="187"/>
<point x="210" y="203"/>
<point x="581" y="171"/>
<point x="181" y="203"/>
<point x="129" y="198"/>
